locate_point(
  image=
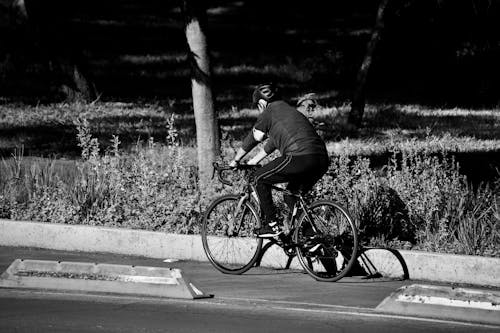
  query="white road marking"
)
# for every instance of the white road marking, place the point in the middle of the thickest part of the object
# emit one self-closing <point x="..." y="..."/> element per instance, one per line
<point x="390" y="316"/>
<point x="327" y="308"/>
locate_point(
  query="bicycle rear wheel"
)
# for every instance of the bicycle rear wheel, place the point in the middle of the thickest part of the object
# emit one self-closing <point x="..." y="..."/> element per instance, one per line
<point x="228" y="234"/>
<point x="327" y="245"/>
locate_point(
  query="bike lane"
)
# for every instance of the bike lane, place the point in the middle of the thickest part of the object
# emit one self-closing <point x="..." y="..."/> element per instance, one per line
<point x="258" y="284"/>
<point x="260" y="289"/>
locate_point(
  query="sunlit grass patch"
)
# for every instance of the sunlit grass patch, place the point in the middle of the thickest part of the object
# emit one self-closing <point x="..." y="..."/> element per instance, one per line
<point x="429" y="144"/>
<point x="408" y="128"/>
<point x="419" y="121"/>
<point x="153" y="59"/>
<point x="285" y="71"/>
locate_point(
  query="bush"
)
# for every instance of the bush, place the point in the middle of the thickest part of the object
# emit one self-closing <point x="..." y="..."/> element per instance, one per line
<point x="378" y="209"/>
<point x="153" y="188"/>
<point x="417" y="200"/>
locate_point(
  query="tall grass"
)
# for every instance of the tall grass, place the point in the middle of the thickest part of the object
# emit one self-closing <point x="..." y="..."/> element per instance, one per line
<point x="418" y="200"/>
<point x="151" y="188"/>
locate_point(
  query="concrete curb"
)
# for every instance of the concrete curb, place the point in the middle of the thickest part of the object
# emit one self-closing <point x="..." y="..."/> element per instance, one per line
<point x="115" y="240"/>
<point x="437" y="267"/>
<point x="411" y="264"/>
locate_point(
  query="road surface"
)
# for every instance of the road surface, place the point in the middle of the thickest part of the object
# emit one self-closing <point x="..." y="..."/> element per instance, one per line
<point x="262" y="300"/>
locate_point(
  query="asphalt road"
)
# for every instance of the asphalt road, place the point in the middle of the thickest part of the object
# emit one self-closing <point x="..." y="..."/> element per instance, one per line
<point x="263" y="300"/>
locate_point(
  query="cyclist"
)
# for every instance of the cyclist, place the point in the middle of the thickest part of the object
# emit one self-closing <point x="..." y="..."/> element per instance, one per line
<point x="303" y="160"/>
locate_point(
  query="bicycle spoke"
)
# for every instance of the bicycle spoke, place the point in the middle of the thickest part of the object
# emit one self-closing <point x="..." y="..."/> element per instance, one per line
<point x="228" y="237"/>
<point x="329" y="252"/>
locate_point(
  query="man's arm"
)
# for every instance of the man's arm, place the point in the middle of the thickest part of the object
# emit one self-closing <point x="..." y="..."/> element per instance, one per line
<point x="258" y="157"/>
<point x="237" y="158"/>
<point x="268" y="148"/>
<point x="248" y="144"/>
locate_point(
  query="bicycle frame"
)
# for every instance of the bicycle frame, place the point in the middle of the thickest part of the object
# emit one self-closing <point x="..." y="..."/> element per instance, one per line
<point x="327" y="254"/>
<point x="250" y="193"/>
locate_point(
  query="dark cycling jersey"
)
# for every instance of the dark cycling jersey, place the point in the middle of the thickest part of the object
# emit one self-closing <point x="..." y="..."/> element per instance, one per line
<point x="288" y="130"/>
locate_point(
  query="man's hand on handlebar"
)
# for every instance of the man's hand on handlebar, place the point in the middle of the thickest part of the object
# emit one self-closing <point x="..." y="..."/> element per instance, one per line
<point x="220" y="169"/>
<point x="235" y="164"/>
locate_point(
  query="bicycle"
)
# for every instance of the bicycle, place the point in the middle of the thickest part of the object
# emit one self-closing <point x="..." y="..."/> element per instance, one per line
<point x="322" y="235"/>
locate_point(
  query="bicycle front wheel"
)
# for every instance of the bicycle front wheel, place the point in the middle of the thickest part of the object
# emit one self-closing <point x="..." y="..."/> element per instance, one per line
<point x="327" y="241"/>
<point x="228" y="234"/>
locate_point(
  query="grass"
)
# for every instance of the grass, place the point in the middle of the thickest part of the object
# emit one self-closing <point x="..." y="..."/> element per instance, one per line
<point x="49" y="130"/>
<point x="405" y="126"/>
<point x="471" y="135"/>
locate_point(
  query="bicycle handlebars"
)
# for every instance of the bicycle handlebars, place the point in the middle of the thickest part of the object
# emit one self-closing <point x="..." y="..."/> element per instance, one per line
<point x="220" y="169"/>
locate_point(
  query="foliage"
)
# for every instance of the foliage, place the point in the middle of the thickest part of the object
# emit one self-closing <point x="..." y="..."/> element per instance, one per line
<point x="152" y="188"/>
<point x="418" y="200"/>
<point x="378" y="209"/>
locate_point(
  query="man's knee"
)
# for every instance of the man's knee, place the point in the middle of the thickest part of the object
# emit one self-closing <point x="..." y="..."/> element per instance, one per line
<point x="262" y="186"/>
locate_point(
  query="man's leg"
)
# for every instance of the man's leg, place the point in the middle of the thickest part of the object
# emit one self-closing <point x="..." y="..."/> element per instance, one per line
<point x="269" y="174"/>
<point x="272" y="173"/>
<point x="300" y="171"/>
<point x="313" y="168"/>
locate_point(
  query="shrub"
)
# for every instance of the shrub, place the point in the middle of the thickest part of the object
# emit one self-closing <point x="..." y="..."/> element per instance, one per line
<point x="474" y="220"/>
<point x="418" y="198"/>
<point x="380" y="213"/>
<point x="154" y="188"/>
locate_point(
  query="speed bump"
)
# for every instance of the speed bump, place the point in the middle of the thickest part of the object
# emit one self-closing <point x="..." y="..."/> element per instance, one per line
<point x="100" y="278"/>
<point x="462" y="304"/>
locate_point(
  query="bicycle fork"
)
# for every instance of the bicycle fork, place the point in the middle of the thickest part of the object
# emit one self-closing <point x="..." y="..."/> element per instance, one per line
<point x="236" y="222"/>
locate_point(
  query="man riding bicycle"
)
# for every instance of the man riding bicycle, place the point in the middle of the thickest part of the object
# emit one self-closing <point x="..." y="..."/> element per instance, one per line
<point x="303" y="160"/>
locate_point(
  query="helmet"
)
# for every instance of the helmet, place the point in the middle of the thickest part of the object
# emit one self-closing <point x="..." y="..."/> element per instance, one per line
<point x="268" y="92"/>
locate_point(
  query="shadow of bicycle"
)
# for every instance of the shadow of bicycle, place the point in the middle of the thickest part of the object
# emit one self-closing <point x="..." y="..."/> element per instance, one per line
<point x="372" y="264"/>
<point x="379" y="262"/>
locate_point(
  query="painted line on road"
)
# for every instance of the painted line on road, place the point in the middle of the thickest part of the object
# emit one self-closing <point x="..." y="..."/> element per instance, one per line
<point x="348" y="310"/>
<point x="330" y="309"/>
<point x="292" y="303"/>
<point x="388" y="316"/>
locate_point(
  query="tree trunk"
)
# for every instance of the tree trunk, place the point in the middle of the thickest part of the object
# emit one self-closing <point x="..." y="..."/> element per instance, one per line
<point x="207" y="135"/>
<point x="358" y="99"/>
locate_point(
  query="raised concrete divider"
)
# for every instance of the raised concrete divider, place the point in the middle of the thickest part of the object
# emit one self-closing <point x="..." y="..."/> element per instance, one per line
<point x="462" y="304"/>
<point x="100" y="278"/>
<point x="412" y="264"/>
<point x="419" y="265"/>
